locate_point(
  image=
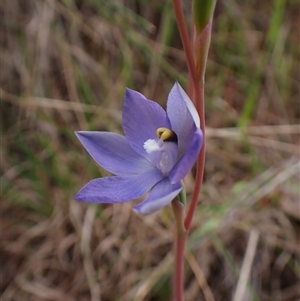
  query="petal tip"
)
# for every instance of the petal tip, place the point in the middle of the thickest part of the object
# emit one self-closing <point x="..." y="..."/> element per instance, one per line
<point x="139" y="209"/>
<point x="189" y="104"/>
<point x="77" y="133"/>
<point x="80" y="134"/>
<point x="173" y="179"/>
<point x="79" y="197"/>
<point x="131" y="94"/>
<point x="136" y="210"/>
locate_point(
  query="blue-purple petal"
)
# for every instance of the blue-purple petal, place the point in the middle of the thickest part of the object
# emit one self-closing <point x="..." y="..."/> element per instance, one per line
<point x="161" y="195"/>
<point x="186" y="162"/>
<point x="118" y="189"/>
<point x="113" y="152"/>
<point x="141" y="118"/>
<point x="183" y="116"/>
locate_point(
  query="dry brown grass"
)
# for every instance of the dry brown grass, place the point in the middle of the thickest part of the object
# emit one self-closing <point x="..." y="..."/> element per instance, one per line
<point x="64" y="67"/>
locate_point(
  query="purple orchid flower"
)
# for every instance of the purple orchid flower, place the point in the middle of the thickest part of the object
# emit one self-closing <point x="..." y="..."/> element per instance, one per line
<point x="159" y="148"/>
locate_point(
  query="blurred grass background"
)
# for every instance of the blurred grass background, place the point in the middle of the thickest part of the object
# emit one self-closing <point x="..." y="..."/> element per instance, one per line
<point x="64" y="67"/>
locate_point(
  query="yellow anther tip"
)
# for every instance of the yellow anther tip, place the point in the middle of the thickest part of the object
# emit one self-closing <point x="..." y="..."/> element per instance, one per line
<point x="166" y="134"/>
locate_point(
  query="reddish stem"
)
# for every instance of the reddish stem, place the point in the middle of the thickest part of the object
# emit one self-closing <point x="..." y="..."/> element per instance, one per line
<point x="196" y="92"/>
<point x="179" y="266"/>
<point x="186" y="43"/>
<point x="200" y="106"/>
<point x="181" y="235"/>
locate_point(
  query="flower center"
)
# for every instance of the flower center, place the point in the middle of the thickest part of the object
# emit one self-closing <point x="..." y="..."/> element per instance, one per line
<point x="162" y="151"/>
